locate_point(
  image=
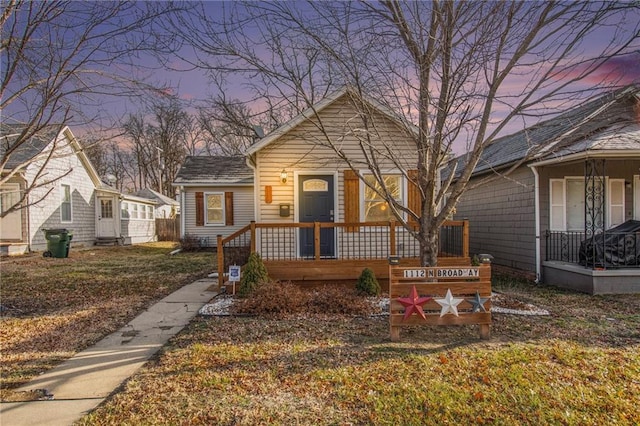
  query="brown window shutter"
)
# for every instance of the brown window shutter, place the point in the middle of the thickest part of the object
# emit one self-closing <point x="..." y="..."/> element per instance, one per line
<point x="414" y="200"/>
<point x="351" y="199"/>
<point x="199" y="208"/>
<point x="228" y="208"/>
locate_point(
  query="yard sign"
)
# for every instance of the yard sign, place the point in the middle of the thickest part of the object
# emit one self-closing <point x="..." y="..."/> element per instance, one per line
<point x="439" y="296"/>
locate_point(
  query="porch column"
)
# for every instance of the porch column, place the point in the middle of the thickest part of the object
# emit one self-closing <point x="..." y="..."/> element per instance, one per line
<point x="594" y="202"/>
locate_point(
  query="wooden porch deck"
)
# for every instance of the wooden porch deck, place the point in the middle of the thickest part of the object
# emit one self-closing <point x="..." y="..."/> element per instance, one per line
<point x="355" y="246"/>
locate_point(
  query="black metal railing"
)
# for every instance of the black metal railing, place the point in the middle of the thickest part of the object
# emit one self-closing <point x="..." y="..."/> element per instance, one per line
<point x="366" y="240"/>
<point x="604" y="250"/>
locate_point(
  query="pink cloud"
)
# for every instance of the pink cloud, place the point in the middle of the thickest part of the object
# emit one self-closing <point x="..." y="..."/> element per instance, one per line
<point x="620" y="70"/>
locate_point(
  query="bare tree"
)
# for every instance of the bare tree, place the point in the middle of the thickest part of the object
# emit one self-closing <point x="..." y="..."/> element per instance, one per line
<point x="62" y="61"/>
<point x="454" y="72"/>
<point x="158" y="144"/>
<point x="226" y="127"/>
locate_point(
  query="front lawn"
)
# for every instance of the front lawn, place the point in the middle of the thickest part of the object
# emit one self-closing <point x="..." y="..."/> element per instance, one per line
<point x="53" y="308"/>
<point x="580" y="365"/>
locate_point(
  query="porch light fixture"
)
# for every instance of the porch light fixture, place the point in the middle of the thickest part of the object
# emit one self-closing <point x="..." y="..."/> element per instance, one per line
<point x="283" y="176"/>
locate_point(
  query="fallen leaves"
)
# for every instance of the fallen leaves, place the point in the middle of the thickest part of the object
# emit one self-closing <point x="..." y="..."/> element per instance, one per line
<point x="56" y="307"/>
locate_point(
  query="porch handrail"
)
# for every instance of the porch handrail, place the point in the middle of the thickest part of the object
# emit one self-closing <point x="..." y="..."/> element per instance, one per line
<point x="246" y="236"/>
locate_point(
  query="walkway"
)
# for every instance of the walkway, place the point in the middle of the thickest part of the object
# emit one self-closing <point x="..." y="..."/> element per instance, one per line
<point x="81" y="383"/>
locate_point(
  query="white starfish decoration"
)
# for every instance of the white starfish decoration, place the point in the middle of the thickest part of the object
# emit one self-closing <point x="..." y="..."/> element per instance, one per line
<point x="449" y="304"/>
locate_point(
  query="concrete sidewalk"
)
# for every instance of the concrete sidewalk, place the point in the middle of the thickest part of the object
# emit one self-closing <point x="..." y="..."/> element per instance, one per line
<point x="81" y="383"/>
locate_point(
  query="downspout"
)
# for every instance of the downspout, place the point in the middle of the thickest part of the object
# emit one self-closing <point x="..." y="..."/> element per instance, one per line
<point x="183" y="210"/>
<point x="536" y="196"/>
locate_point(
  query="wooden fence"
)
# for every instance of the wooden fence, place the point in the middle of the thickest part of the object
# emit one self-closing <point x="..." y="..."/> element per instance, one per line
<point x="168" y="229"/>
<point x="453" y="295"/>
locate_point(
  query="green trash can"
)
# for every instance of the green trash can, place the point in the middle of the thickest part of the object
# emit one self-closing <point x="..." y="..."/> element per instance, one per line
<point x="58" y="242"/>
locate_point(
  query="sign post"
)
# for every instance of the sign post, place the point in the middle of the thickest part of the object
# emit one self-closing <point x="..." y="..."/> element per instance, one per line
<point x="439" y="296"/>
<point x="234" y="276"/>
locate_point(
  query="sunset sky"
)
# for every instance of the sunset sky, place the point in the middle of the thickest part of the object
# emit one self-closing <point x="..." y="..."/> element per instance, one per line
<point x="193" y="85"/>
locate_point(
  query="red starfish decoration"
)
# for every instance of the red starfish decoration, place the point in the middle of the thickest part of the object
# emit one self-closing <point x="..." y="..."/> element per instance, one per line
<point x="413" y="303"/>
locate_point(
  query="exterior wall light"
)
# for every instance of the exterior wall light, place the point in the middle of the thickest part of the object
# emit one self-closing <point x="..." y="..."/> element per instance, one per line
<point x="283" y="176"/>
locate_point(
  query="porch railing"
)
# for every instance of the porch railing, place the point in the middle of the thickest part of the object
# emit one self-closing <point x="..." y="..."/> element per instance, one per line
<point x="318" y="240"/>
<point x="610" y="249"/>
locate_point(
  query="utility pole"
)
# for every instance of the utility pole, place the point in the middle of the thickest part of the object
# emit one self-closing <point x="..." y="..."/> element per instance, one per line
<point x="160" y="151"/>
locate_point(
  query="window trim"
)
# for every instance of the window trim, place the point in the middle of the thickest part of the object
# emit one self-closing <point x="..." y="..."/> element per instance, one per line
<point x="206" y="209"/>
<point x="363" y="189"/>
<point x="636" y="197"/>
<point x="607" y="201"/>
<point x="62" y="202"/>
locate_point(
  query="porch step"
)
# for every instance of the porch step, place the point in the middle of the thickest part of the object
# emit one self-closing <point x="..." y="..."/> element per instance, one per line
<point x="13" y="249"/>
<point x="107" y="241"/>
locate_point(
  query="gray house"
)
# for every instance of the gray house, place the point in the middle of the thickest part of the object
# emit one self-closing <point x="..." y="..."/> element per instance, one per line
<point x="216" y="196"/>
<point x="165" y="208"/>
<point x="575" y="180"/>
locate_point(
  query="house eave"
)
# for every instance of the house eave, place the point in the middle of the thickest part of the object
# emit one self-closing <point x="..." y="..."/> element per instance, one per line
<point x="209" y="183"/>
<point x="312" y="111"/>
<point x="587" y="154"/>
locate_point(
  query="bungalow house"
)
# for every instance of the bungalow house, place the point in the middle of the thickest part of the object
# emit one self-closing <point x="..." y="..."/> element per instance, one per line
<point x="576" y="177"/>
<point x="63" y="191"/>
<point x="307" y="187"/>
<point x="165" y="208"/>
<point x="216" y="197"/>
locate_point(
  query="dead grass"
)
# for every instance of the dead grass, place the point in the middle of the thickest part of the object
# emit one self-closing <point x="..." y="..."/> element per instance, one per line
<point x="578" y="366"/>
<point x="53" y="308"/>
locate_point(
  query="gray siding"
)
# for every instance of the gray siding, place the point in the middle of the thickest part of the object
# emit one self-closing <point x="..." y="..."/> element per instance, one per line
<point x="46" y="213"/>
<point x="243" y="212"/>
<point x="501" y="219"/>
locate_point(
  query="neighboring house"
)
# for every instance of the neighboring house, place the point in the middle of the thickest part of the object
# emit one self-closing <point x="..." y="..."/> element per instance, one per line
<point x="579" y="177"/>
<point x="166" y="208"/>
<point x="66" y="193"/>
<point x="137" y="220"/>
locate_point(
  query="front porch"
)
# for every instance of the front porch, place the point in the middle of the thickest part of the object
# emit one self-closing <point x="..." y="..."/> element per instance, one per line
<point x="318" y="252"/>
<point x="590" y="265"/>
<point x="601" y="255"/>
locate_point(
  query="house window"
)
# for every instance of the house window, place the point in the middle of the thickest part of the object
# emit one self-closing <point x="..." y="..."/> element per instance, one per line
<point x="636" y="197"/>
<point x="567" y="203"/>
<point x="575" y="204"/>
<point x="106" y="209"/>
<point x="125" y="210"/>
<point x="616" y="202"/>
<point x="9" y="196"/>
<point x="375" y="208"/>
<point x="149" y="212"/>
<point x="65" y="204"/>
<point x="214" y="204"/>
<point x="134" y="212"/>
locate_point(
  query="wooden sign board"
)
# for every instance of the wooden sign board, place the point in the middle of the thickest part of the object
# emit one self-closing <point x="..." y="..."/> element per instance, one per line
<point x="445" y="296"/>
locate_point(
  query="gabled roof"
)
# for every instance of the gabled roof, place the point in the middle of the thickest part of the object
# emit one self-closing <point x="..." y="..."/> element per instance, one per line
<point x="154" y="195"/>
<point x="35" y="145"/>
<point x="565" y="133"/>
<point x="214" y="170"/>
<point x="310" y="113"/>
<point x="9" y="133"/>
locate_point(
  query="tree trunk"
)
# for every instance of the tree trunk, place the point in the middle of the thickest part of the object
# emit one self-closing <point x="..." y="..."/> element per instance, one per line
<point x="429" y="247"/>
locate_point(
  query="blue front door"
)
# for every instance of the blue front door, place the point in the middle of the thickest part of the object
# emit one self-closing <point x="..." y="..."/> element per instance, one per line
<point x="315" y="199"/>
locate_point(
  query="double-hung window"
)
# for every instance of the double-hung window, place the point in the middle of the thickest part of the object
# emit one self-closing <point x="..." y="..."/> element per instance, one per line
<point x="214" y="204"/>
<point x="65" y="203"/>
<point x="567" y="207"/>
<point x="375" y="208"/>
